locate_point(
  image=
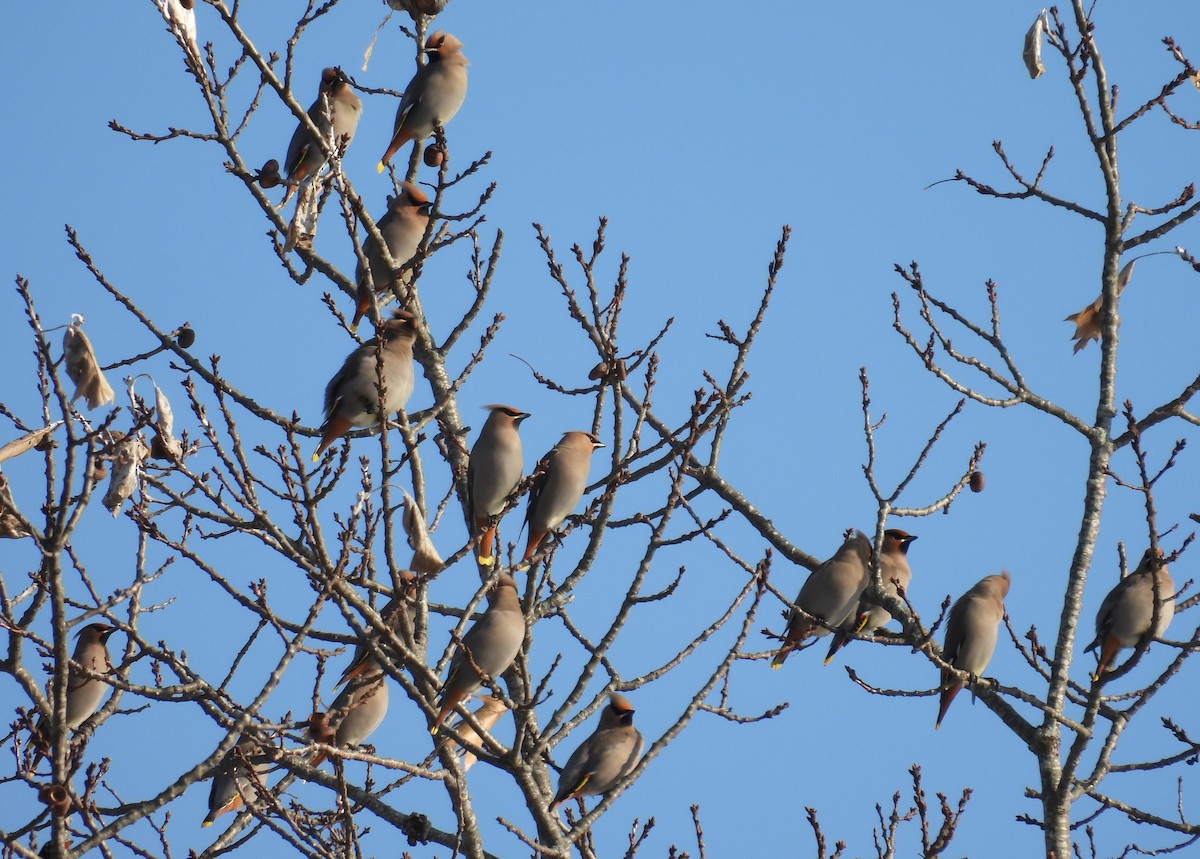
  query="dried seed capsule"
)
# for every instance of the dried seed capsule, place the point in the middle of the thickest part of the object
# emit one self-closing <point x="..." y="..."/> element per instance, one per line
<point x="976" y="481"/>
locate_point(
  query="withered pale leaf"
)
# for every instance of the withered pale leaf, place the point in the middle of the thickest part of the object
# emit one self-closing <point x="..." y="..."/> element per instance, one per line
<point x="1033" y="47"/>
<point x="83" y="369"/>
<point x="1087" y="321"/>
<point x="425" y="555"/>
<point x="12" y="527"/>
<point x="126" y="472"/>
<point x="164" y="423"/>
<point x="18" y="446"/>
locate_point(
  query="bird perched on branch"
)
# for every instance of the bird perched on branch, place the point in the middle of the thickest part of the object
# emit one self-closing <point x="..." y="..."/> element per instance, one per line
<point x="1127" y="613"/>
<point x="495" y="470"/>
<point x="558" y="487"/>
<point x="604" y="758"/>
<point x="402" y="228"/>
<point x="352" y="397"/>
<point x="337" y="122"/>
<point x="357" y="710"/>
<point x="233" y="783"/>
<point x="433" y="96"/>
<point x="895" y="573"/>
<point x="971" y="632"/>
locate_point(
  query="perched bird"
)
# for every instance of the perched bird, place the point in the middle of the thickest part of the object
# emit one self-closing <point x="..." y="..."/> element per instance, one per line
<point x="604" y="758"/>
<point x="559" y="486"/>
<point x="233" y="783"/>
<point x="490" y="646"/>
<point x="358" y="709"/>
<point x="971" y="631"/>
<point x="1127" y="613"/>
<point x="402" y="228"/>
<point x="830" y="594"/>
<point x="487" y="715"/>
<point x="352" y="397"/>
<point x="895" y="572"/>
<point x="434" y="94"/>
<point x="400" y="612"/>
<point x="493" y="474"/>
<point x="84" y="694"/>
<point x="305" y="155"/>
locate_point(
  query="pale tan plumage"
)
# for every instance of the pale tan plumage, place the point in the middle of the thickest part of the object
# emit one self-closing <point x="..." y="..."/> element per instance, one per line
<point x="233" y="783"/>
<point x="402" y="228"/>
<point x="495" y="470"/>
<point x="895" y="573"/>
<point x="830" y="594"/>
<point x="604" y="758"/>
<point x="305" y="155"/>
<point x="559" y="487"/>
<point x="361" y="705"/>
<point x="971" y="632"/>
<point x="433" y="96"/>
<point x="1127" y="612"/>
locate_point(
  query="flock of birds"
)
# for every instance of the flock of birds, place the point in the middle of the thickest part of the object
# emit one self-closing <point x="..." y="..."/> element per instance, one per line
<point x="377" y="379"/>
<point x="832" y="600"/>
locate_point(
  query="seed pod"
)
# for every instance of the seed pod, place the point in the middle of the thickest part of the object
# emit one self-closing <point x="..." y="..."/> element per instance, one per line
<point x="186" y="336"/>
<point x="434" y="155"/>
<point x="976" y="481"/>
<point x="425" y="555"/>
<point x="1033" y="47"/>
<point x="82" y="367"/>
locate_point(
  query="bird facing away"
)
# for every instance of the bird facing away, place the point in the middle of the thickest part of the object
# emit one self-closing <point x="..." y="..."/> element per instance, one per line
<point x="830" y="594"/>
<point x="489" y="646"/>
<point x="1127" y="613"/>
<point x="233" y="785"/>
<point x="493" y="473"/>
<point x="305" y="155"/>
<point x="433" y="96"/>
<point x="359" y="708"/>
<point x="559" y="486"/>
<point x="894" y="570"/>
<point x="352" y="397"/>
<point x="971" y="632"/>
<point x="402" y="228"/>
<point x="487" y="715"/>
<point x="604" y="758"/>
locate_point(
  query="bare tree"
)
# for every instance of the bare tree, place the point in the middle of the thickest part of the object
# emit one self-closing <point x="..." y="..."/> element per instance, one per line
<point x="292" y="566"/>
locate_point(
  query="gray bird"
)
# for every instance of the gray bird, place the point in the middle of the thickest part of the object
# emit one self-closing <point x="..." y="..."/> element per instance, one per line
<point x="604" y="758"/>
<point x="305" y="155"/>
<point x="494" y="472"/>
<point x="358" y="709"/>
<point x="402" y="228"/>
<point x="352" y="395"/>
<point x="1127" y="612"/>
<point x="84" y="694"/>
<point x="233" y="783"/>
<point x="895" y="572"/>
<point x="434" y="94"/>
<point x="830" y="594"/>
<point x="559" y="486"/>
<point x="492" y="644"/>
<point x="971" y="632"/>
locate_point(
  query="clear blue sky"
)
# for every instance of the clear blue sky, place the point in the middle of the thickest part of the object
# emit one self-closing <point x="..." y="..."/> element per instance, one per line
<point x="699" y="130"/>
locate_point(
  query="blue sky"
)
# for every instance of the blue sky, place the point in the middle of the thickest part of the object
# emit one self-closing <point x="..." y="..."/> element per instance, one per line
<point x="698" y="130"/>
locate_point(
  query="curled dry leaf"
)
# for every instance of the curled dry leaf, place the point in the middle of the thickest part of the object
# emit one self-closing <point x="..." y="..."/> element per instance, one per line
<point x="1087" y="321"/>
<point x="82" y="367"/>
<point x="127" y="464"/>
<point x="30" y="440"/>
<point x="12" y="526"/>
<point x="1033" y="47"/>
<point x="181" y="15"/>
<point x="426" y="559"/>
<point x="416" y="8"/>
<point x="165" y="445"/>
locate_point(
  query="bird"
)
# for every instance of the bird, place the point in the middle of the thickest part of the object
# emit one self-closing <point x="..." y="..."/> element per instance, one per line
<point x="971" y="632"/>
<point x="400" y="612"/>
<point x="487" y="715"/>
<point x="493" y="473"/>
<point x="233" y="784"/>
<point x="402" y="228"/>
<point x="1127" y="612"/>
<point x="352" y="395"/>
<point x="84" y="694"/>
<point x="604" y="758"/>
<point x="830" y="594"/>
<point x="304" y="154"/>
<point x="895" y="573"/>
<point x="433" y="96"/>
<point x="560" y="483"/>
<point x="489" y="646"/>
<point x="359" y="707"/>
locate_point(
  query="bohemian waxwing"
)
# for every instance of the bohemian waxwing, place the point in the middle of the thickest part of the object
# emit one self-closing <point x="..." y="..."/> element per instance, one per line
<point x="494" y="472"/>
<point x="971" y="632"/>
<point x="352" y="395"/>
<point x="233" y="784"/>
<point x="559" y="486"/>
<point x="1127" y="613"/>
<point x="487" y="715"/>
<point x="493" y="643"/>
<point x="604" y="758"/>
<point x="434" y="94"/>
<point x="360" y="707"/>
<point x="84" y="694"/>
<point x="830" y="594"/>
<point x="894" y="570"/>
<point x="402" y="228"/>
<point x="305" y="155"/>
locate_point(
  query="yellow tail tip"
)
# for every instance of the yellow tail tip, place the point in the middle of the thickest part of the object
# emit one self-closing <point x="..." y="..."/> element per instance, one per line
<point x="775" y="666"/>
<point x="316" y="457"/>
<point x="434" y="730"/>
<point x="379" y="168"/>
<point x="206" y="824"/>
<point x="828" y="659"/>
<point x="485" y="560"/>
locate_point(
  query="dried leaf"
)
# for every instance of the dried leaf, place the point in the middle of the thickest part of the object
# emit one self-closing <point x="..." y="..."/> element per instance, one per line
<point x="11" y="525"/>
<point x="181" y="16"/>
<point x="426" y="559"/>
<point x="1087" y="321"/>
<point x="1033" y="47"/>
<point x="82" y="367"/>
<point x="418" y="7"/>
<point x="126" y="470"/>
<point x="166" y="446"/>
<point x="18" y="446"/>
